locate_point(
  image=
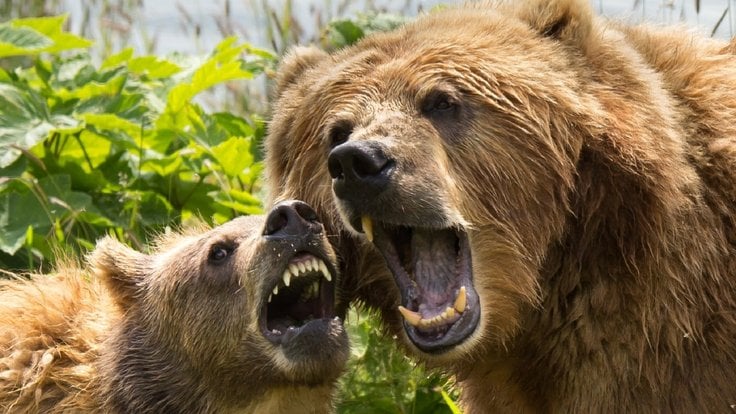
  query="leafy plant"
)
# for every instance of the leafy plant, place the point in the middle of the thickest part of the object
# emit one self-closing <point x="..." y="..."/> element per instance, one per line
<point x="382" y="379"/>
<point x="344" y="32"/>
<point x="120" y="148"/>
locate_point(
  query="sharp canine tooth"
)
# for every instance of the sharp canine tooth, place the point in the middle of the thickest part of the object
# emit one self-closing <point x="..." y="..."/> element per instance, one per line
<point x="301" y="267"/>
<point x="460" y="301"/>
<point x="367" y="224"/>
<point x="276" y="290"/>
<point x="412" y="317"/>
<point x="269" y="298"/>
<point x="325" y="272"/>
<point x="287" y="277"/>
<point x="294" y="270"/>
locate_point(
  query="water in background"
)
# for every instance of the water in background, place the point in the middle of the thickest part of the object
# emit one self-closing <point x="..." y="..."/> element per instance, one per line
<point x="195" y="26"/>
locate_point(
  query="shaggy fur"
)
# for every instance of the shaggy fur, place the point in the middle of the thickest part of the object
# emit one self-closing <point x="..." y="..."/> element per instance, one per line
<point x="592" y="166"/>
<point x="169" y="332"/>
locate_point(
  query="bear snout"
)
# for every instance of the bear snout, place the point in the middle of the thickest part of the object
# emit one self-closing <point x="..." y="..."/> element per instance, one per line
<point x="360" y="170"/>
<point x="292" y="218"/>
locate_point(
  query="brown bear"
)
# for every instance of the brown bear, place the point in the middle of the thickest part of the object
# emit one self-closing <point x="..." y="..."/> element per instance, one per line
<point x="553" y="196"/>
<point x="240" y="318"/>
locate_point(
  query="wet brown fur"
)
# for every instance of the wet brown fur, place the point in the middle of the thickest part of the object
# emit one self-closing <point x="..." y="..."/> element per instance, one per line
<point x="596" y="171"/>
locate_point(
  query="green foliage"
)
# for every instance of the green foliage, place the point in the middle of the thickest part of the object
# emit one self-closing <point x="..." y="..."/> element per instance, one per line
<point x="381" y="379"/>
<point x="120" y="148"/>
<point x="345" y="32"/>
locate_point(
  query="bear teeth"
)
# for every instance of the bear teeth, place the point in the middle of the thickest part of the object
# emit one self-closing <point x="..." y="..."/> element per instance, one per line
<point x="300" y="269"/>
<point x="367" y="223"/>
<point x="448" y="316"/>
<point x="460" y="300"/>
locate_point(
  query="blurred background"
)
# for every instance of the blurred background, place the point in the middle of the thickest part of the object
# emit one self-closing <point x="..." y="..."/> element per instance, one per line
<point x="192" y="26"/>
<point x="165" y="27"/>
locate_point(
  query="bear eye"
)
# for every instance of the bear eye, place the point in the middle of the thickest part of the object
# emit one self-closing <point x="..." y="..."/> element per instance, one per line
<point x="438" y="103"/>
<point x="219" y="252"/>
<point x="339" y="133"/>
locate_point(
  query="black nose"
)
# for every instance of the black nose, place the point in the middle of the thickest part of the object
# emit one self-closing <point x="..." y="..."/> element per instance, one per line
<point x="360" y="170"/>
<point x="292" y="218"/>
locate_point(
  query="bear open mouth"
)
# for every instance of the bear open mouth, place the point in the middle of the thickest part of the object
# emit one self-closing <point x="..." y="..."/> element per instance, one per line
<point x="433" y="270"/>
<point x="305" y="293"/>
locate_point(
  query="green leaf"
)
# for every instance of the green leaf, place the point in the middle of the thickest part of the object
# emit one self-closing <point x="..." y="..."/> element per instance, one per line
<point x="117" y="59"/>
<point x="344" y="32"/>
<point x="25" y="121"/>
<point x="240" y="201"/>
<point x="153" y="67"/>
<point x="112" y="122"/>
<point x="223" y="66"/>
<point x="32" y="36"/>
<point x="18" y="212"/>
<point x="233" y="155"/>
<point x="21" y="41"/>
<point x="111" y="88"/>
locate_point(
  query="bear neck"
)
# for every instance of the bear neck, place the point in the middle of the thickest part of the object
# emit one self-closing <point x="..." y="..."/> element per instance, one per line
<point x="139" y="374"/>
<point x="626" y="290"/>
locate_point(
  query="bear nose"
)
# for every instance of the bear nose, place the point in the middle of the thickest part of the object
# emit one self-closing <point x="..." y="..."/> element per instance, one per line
<point x="292" y="218"/>
<point x="359" y="170"/>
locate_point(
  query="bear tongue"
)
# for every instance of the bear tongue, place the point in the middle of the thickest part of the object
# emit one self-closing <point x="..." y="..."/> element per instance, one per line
<point x="434" y="265"/>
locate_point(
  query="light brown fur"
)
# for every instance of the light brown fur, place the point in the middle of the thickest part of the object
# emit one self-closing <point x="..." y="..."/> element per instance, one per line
<point x="166" y="332"/>
<point x="593" y="166"/>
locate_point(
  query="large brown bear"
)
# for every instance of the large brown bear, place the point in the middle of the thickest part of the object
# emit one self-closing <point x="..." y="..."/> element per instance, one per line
<point x="236" y="319"/>
<point x="553" y="195"/>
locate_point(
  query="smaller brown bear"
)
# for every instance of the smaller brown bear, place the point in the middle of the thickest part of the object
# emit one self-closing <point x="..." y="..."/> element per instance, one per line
<point x="240" y="318"/>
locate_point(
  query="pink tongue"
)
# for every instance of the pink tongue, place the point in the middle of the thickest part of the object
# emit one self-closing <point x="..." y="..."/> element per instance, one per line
<point x="434" y="261"/>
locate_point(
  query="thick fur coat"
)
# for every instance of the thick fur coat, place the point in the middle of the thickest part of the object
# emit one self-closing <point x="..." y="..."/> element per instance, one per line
<point x="549" y="196"/>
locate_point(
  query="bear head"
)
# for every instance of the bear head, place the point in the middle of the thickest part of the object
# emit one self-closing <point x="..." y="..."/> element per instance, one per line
<point x="243" y="307"/>
<point x="448" y="148"/>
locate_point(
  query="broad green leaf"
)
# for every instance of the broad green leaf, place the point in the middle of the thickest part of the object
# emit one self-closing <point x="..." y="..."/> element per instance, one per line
<point x="21" y="40"/>
<point x="109" y="121"/>
<point x="153" y="67"/>
<point x="223" y="66"/>
<point x="233" y="155"/>
<point x="117" y="59"/>
<point x="164" y="166"/>
<point x="51" y="199"/>
<point x="111" y="88"/>
<point x="25" y="121"/>
<point x="344" y="32"/>
<point x="32" y="36"/>
<point x="18" y="212"/>
<point x="240" y="201"/>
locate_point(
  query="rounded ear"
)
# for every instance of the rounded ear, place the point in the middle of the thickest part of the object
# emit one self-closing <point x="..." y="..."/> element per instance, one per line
<point x="566" y="20"/>
<point x="295" y="62"/>
<point x="121" y="269"/>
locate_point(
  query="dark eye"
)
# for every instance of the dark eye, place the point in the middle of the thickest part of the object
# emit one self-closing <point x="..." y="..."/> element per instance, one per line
<point x="439" y="103"/>
<point x="219" y="253"/>
<point x="340" y="132"/>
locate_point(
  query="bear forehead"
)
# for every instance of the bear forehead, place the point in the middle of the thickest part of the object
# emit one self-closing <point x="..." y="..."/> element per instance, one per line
<point x="474" y="57"/>
<point x="194" y="238"/>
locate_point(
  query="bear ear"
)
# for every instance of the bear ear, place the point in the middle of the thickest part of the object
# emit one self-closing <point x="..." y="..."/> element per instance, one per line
<point x="295" y="62"/>
<point x="566" y="20"/>
<point x="121" y="269"/>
